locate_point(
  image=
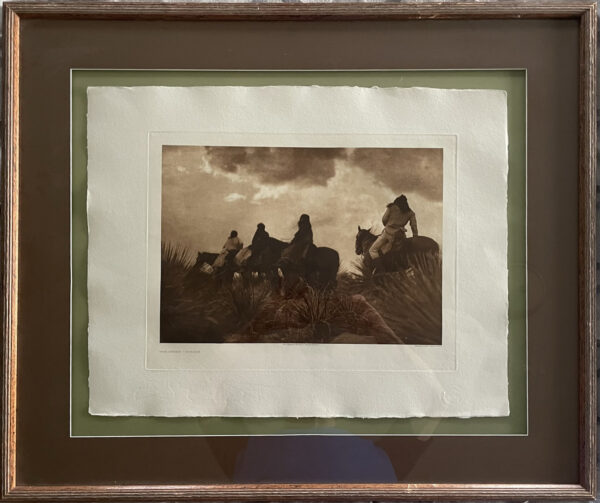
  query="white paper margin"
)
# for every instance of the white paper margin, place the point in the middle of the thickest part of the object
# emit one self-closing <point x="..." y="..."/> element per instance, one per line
<point x="119" y="120"/>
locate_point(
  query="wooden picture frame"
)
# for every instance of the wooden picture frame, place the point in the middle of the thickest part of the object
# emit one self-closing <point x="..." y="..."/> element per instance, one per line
<point x="21" y="20"/>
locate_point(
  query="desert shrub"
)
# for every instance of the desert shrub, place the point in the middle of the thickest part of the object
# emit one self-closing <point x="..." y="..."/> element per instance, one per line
<point x="311" y="315"/>
<point x="351" y="283"/>
<point x="247" y="298"/>
<point x="411" y="301"/>
<point x="184" y="316"/>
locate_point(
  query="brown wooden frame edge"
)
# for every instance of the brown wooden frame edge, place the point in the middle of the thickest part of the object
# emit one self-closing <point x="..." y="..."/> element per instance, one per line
<point x="583" y="10"/>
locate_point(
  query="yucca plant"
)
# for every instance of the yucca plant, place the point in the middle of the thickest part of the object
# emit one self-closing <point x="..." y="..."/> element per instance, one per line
<point x="411" y="301"/>
<point x="184" y="315"/>
<point x="175" y="259"/>
<point x="247" y="299"/>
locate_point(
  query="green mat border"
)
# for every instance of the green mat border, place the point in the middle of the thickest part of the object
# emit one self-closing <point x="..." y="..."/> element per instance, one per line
<point x="514" y="82"/>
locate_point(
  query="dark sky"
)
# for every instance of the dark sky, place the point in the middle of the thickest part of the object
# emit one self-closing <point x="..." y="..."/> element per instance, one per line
<point x="208" y="191"/>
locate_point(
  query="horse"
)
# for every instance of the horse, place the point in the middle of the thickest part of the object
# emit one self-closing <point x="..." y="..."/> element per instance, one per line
<point x="319" y="268"/>
<point x="265" y="260"/>
<point x="399" y="256"/>
<point x="222" y="275"/>
<point x="205" y="258"/>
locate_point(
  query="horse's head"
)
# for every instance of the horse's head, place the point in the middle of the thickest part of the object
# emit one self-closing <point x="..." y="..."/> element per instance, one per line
<point x="362" y="238"/>
<point x="203" y="257"/>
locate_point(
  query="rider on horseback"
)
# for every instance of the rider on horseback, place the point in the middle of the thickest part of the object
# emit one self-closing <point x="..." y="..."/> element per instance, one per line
<point x="260" y="240"/>
<point x="303" y="239"/>
<point x="301" y="261"/>
<point x="230" y="248"/>
<point x="395" y="218"/>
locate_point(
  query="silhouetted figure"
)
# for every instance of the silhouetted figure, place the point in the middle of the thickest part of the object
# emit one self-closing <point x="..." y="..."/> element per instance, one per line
<point x="395" y="218"/>
<point x="231" y="246"/>
<point x="260" y="239"/>
<point x="303" y="239"/>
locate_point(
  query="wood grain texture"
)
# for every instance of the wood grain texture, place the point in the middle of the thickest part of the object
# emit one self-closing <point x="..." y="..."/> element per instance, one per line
<point x="9" y="273"/>
<point x="587" y="250"/>
<point x="320" y="492"/>
<point x="584" y="11"/>
<point x="324" y="11"/>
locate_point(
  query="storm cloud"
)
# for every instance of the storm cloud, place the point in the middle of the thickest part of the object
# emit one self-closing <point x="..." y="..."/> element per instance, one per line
<point x="273" y="166"/>
<point x="268" y="165"/>
<point x="414" y="170"/>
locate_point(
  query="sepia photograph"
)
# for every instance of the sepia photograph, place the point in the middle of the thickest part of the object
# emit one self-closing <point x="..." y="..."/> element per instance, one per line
<point x="301" y="245"/>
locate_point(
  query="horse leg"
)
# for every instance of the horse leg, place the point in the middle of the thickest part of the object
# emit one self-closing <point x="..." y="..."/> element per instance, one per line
<point x="246" y="277"/>
<point x="379" y="264"/>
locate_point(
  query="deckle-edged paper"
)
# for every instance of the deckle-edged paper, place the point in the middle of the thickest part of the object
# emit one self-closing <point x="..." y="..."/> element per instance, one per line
<point x="133" y="373"/>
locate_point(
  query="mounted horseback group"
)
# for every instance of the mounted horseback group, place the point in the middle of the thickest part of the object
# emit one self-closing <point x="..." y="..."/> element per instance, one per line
<point x="318" y="266"/>
<point x="271" y="257"/>
<point x="392" y="249"/>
